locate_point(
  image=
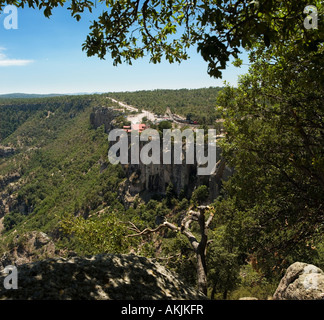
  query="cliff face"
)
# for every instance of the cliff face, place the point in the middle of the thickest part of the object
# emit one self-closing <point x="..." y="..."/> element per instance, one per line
<point x="103" y="116"/>
<point x="29" y="247"/>
<point x="148" y="180"/>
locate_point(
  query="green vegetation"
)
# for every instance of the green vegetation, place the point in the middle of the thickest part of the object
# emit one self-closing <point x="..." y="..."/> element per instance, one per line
<point x="270" y="212"/>
<point x="130" y="30"/>
<point x="15" y="114"/>
<point x="200" y="195"/>
<point x="195" y="104"/>
<point x="69" y="190"/>
<point x="274" y="124"/>
<point x="97" y="234"/>
<point x="59" y="162"/>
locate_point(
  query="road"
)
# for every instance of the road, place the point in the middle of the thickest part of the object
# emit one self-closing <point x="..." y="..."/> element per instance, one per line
<point x="136" y="118"/>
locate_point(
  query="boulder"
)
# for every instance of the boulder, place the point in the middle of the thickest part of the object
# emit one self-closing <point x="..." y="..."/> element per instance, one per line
<point x="302" y="281"/>
<point x="100" y="277"/>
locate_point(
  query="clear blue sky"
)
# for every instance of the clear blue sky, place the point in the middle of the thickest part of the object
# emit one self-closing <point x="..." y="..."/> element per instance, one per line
<point x="45" y="56"/>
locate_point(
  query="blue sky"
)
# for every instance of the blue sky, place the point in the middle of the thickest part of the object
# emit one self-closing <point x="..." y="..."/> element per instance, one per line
<point x="45" y="56"/>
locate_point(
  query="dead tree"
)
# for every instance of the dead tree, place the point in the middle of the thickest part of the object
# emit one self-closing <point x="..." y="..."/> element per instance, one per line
<point x="199" y="247"/>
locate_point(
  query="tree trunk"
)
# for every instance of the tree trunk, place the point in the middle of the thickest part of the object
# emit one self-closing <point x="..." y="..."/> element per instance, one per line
<point x="199" y="247"/>
<point x="201" y="271"/>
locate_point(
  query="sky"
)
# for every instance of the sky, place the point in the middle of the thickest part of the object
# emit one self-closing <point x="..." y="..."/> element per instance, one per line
<point x="45" y="56"/>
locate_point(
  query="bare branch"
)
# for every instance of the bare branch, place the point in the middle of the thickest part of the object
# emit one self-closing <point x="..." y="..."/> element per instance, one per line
<point x="148" y="230"/>
<point x="199" y="247"/>
<point x="209" y="220"/>
<point x="133" y="228"/>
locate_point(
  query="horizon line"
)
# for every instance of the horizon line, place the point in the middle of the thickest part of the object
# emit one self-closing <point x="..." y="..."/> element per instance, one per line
<point x="103" y="92"/>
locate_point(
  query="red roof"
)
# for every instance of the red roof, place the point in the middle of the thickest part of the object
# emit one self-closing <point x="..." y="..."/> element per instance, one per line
<point x="138" y="126"/>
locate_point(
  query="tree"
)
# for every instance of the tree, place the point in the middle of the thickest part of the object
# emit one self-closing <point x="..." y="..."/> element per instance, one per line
<point x="199" y="246"/>
<point x="97" y="234"/>
<point x="200" y="194"/>
<point x="164" y="125"/>
<point x="223" y="263"/>
<point x="131" y="29"/>
<point x="275" y="138"/>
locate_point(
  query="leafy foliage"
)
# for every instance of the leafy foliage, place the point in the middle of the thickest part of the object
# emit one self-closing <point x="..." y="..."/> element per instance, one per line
<point x="200" y="195"/>
<point x="271" y="211"/>
<point x="128" y="30"/>
<point x="97" y="234"/>
<point x="275" y="142"/>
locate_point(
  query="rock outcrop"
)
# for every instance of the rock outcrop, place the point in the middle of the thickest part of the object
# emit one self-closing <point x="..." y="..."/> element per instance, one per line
<point x="103" y="116"/>
<point x="100" y="277"/>
<point x="147" y="180"/>
<point x="302" y="281"/>
<point x="29" y="247"/>
<point x="6" y="180"/>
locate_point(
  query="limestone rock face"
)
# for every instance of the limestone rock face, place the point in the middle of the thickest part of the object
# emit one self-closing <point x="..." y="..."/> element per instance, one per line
<point x="100" y="277"/>
<point x="102" y="116"/>
<point x="302" y="281"/>
<point x="148" y="180"/>
<point x="151" y="179"/>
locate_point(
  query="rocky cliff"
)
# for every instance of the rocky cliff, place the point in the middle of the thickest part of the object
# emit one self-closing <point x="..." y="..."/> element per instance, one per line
<point x="147" y="180"/>
<point x="29" y="247"/>
<point x="8" y="184"/>
<point x="103" y="116"/>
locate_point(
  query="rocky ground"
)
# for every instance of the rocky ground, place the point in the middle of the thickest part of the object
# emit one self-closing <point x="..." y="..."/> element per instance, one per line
<point x="100" y="277"/>
<point x="44" y="275"/>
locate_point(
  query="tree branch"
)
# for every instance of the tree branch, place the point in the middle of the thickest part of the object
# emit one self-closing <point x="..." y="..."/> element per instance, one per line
<point x="149" y="230"/>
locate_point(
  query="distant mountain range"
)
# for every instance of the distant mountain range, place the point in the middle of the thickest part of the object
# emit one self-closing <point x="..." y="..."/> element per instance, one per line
<point x="26" y="95"/>
<point x="35" y="95"/>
